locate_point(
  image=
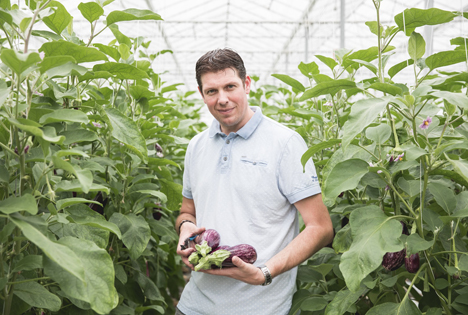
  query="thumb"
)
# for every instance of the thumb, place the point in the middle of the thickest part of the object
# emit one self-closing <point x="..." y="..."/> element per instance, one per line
<point x="237" y="261"/>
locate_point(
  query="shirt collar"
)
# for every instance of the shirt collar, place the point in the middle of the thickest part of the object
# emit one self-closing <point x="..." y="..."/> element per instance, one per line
<point x="246" y="131"/>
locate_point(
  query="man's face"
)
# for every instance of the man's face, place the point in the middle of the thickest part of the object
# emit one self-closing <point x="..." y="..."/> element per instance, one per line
<point x="226" y="98"/>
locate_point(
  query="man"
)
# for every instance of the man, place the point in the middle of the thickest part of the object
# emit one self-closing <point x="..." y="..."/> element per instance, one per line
<point x="244" y="178"/>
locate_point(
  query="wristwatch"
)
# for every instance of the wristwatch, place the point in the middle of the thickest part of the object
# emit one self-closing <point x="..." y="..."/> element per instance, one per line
<point x="267" y="275"/>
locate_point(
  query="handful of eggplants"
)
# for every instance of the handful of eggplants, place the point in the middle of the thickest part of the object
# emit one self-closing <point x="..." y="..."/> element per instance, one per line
<point x="394" y="260"/>
<point x="210" y="255"/>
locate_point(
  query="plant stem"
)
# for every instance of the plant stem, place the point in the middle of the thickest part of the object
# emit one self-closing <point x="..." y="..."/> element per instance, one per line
<point x="28" y="280"/>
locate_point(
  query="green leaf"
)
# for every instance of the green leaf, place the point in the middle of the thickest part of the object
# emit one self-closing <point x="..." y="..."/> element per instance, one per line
<point x="444" y="196"/>
<point x="314" y="304"/>
<point x="126" y="131"/>
<point x="29" y="262"/>
<point x="15" y="204"/>
<point x="414" y="18"/>
<point x="54" y="61"/>
<point x="415" y="244"/>
<point x="317" y="148"/>
<point x="363" y="113"/>
<point x="19" y="62"/>
<point x="457" y="99"/>
<point x="135" y="230"/>
<point x="65" y="70"/>
<point x="368" y="65"/>
<point x="122" y="71"/>
<point x="379" y="134"/>
<point x="344" y="176"/>
<point x="416" y="46"/>
<point x="78" y="135"/>
<point x="75" y="186"/>
<point x="410" y="187"/>
<point x="59" y="20"/>
<point x="445" y="58"/>
<point x="153" y="193"/>
<point x="290" y="81"/>
<point x="309" y="69"/>
<point x="343" y="301"/>
<point x="64" y="115"/>
<point x="298" y="298"/>
<point x="91" y="11"/>
<point x="460" y="166"/>
<point x="79" y="53"/>
<point x="343" y="239"/>
<point x="329" y="87"/>
<point x="108" y="50"/>
<point x="132" y="15"/>
<point x="85" y="177"/>
<point x="329" y="62"/>
<point x="386" y="88"/>
<point x="37" y="296"/>
<point x="374" y="234"/>
<point x="97" y="222"/>
<point x="367" y="55"/>
<point x="173" y="191"/>
<point x="69" y="152"/>
<point x="56" y="252"/>
<point x="399" y="66"/>
<point x="97" y="286"/>
<point x="463" y="263"/>
<point x="406" y="307"/>
<point x="67" y="202"/>
<point x="374" y="26"/>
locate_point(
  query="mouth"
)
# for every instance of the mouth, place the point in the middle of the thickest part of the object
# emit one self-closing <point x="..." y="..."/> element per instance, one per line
<point x="225" y="111"/>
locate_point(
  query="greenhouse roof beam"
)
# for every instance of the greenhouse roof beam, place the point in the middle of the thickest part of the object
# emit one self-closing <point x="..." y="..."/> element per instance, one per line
<point x="169" y="46"/>
<point x="293" y="33"/>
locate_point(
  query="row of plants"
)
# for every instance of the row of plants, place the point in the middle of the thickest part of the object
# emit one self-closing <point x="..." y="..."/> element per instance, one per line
<point x="392" y="161"/>
<point x="92" y="143"/>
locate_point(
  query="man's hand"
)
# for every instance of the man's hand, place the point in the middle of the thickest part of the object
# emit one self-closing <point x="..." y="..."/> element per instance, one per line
<point x="187" y="230"/>
<point x="242" y="271"/>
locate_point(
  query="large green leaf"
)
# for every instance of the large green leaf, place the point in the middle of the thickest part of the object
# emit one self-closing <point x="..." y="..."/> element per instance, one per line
<point x="399" y="66"/>
<point x="79" y="53"/>
<point x="54" y="61"/>
<point x="343" y="239"/>
<point x="458" y="99"/>
<point x="415" y="17"/>
<point x="329" y="62"/>
<point x="59" y="20"/>
<point x="343" y="300"/>
<point x="135" y="230"/>
<point x="309" y="69"/>
<point x="415" y="244"/>
<point x="78" y="135"/>
<point x="173" y="191"/>
<point x="379" y="134"/>
<point x="461" y="167"/>
<point x="344" y="176"/>
<point x="329" y="87"/>
<point x="131" y="15"/>
<point x="126" y="131"/>
<point x="19" y="62"/>
<point x="363" y="113"/>
<point x="67" y="202"/>
<point x="60" y="254"/>
<point x="122" y="71"/>
<point x="406" y="307"/>
<point x="374" y="234"/>
<point x="65" y="70"/>
<point x="84" y="176"/>
<point x="27" y="202"/>
<point x="317" y="148"/>
<point x="97" y="287"/>
<point x="64" y="115"/>
<point x="91" y="11"/>
<point x="108" y="50"/>
<point x="29" y="262"/>
<point x="445" y="58"/>
<point x="444" y="196"/>
<point x="386" y="88"/>
<point x="290" y="81"/>
<point x="416" y="46"/>
<point x="37" y="296"/>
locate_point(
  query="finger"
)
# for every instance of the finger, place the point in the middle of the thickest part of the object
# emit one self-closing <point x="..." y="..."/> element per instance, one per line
<point x="237" y="261"/>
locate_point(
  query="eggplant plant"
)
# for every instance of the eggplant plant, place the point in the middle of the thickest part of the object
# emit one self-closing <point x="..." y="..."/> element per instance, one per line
<point x="92" y="142"/>
<point x="386" y="151"/>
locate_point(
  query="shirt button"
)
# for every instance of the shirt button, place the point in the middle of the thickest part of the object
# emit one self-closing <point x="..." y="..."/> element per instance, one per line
<point x="254" y="163"/>
<point x="225" y="158"/>
<point x="228" y="141"/>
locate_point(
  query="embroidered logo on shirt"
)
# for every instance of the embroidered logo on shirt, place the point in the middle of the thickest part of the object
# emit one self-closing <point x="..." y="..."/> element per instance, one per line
<point x="314" y="178"/>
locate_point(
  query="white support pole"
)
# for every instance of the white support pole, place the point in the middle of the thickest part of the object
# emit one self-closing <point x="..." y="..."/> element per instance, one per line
<point x="342" y="24"/>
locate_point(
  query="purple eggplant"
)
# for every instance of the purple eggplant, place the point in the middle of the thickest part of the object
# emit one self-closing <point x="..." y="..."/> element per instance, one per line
<point x="210" y="236"/>
<point x="245" y="252"/>
<point x="412" y="263"/>
<point x="393" y="261"/>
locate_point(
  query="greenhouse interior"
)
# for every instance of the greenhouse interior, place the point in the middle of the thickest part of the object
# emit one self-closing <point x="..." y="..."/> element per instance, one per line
<point x="329" y="179"/>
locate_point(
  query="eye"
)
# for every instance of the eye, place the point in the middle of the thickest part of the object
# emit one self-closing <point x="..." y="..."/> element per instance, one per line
<point x="210" y="92"/>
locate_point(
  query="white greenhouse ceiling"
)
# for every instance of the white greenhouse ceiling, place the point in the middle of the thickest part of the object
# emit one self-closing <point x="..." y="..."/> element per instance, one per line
<point x="272" y="36"/>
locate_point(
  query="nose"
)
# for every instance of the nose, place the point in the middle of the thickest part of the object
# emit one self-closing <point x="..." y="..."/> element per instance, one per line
<point x="223" y="98"/>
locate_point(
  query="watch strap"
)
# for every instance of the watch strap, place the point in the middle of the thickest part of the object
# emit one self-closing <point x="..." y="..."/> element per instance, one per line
<point x="266" y="274"/>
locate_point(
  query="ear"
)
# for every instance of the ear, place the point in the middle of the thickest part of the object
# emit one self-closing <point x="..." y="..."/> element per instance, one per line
<point x="247" y="84"/>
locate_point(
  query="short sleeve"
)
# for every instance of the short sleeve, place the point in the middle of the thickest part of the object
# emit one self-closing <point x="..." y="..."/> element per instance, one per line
<point x="186" y="186"/>
<point x="296" y="182"/>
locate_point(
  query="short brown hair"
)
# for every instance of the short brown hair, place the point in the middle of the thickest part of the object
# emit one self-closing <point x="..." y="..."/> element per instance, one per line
<point x="218" y="60"/>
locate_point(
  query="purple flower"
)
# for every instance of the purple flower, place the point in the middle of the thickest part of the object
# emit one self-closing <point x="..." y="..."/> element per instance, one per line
<point x="96" y="124"/>
<point x="426" y="123"/>
<point x="379" y="171"/>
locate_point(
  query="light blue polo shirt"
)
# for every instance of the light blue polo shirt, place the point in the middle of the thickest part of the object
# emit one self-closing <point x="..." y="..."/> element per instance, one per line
<point x="244" y="185"/>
